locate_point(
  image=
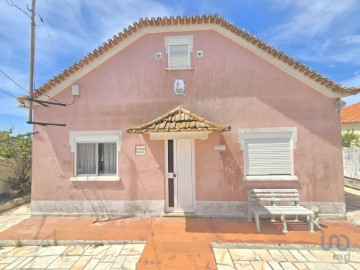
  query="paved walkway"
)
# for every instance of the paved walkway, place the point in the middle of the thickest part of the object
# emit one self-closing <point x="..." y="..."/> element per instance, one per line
<point x="286" y="258"/>
<point x="176" y="243"/>
<point x="14" y="216"/>
<point x="182" y="243"/>
<point x="352" y="198"/>
<point x="71" y="257"/>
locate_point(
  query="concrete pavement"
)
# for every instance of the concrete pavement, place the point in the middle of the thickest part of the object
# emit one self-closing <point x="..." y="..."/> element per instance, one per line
<point x="84" y="257"/>
<point x="289" y="257"/>
<point x="14" y="216"/>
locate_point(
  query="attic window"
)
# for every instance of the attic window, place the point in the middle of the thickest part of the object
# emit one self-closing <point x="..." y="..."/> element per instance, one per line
<point x="178" y="49"/>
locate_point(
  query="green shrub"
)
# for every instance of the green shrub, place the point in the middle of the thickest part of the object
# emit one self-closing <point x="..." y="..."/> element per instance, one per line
<point x="350" y="139"/>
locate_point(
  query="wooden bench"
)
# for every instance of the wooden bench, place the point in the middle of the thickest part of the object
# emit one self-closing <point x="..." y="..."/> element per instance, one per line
<point x="265" y="201"/>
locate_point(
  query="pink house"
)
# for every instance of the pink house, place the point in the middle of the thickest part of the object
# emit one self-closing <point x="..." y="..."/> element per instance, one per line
<point x="184" y="115"/>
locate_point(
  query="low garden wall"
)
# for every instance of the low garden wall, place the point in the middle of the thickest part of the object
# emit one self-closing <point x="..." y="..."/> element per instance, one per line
<point x="15" y="202"/>
<point x="351" y="160"/>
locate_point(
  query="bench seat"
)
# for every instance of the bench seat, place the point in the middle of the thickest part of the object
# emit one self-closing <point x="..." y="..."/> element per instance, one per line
<point x="273" y="196"/>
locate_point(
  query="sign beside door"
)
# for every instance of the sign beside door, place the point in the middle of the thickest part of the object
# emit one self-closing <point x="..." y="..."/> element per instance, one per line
<point x="140" y="150"/>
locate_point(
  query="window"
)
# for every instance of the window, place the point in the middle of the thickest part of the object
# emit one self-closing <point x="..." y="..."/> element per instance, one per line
<point x="178" y="49"/>
<point x="268" y="153"/>
<point x="95" y="155"/>
<point x="96" y="159"/>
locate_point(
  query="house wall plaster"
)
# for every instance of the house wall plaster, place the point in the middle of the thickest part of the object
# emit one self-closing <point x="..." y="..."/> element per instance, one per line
<point x="228" y="85"/>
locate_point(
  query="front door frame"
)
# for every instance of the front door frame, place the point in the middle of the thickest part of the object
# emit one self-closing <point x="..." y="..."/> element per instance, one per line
<point x="173" y="209"/>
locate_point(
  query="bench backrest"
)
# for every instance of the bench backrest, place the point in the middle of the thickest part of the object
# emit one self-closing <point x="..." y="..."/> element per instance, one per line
<point x="273" y="195"/>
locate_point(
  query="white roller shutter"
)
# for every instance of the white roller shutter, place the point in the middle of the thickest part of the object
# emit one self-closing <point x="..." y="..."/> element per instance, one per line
<point x="268" y="156"/>
<point x="179" y="56"/>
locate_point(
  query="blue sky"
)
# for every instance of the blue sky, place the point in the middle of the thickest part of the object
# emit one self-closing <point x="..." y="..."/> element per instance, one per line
<point x="323" y="34"/>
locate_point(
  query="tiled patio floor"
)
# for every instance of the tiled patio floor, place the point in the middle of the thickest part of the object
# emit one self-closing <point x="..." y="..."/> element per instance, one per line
<point x="71" y="257"/>
<point x="14" y="216"/>
<point x="284" y="258"/>
<point x="183" y="243"/>
<point x="176" y="243"/>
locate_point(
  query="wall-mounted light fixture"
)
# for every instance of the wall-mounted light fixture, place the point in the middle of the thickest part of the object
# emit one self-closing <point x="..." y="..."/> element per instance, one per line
<point x="339" y="105"/>
<point x="75" y="90"/>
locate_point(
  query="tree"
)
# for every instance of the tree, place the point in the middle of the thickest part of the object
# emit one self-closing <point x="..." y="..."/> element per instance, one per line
<point x="350" y="139"/>
<point x="15" y="156"/>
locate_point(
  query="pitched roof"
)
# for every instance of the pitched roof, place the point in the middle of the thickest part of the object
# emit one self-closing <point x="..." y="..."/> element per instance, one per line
<point x="178" y="120"/>
<point x="121" y="37"/>
<point x="350" y="114"/>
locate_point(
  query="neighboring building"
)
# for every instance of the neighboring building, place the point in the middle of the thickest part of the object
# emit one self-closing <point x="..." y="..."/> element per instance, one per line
<point x="183" y="115"/>
<point x="350" y="118"/>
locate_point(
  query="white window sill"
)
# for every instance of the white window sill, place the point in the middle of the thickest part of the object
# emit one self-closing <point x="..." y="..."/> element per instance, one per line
<point x="94" y="178"/>
<point x="179" y="68"/>
<point x="271" y="178"/>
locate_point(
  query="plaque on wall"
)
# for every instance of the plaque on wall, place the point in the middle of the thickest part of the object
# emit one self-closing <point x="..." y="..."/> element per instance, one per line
<point x="140" y="150"/>
<point x="179" y="87"/>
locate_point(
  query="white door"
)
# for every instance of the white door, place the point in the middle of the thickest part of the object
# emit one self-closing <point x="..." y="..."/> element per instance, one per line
<point x="180" y="184"/>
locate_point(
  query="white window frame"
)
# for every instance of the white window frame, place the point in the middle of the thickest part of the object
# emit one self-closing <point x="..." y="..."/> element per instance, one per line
<point x="177" y="41"/>
<point x="266" y="133"/>
<point x="109" y="136"/>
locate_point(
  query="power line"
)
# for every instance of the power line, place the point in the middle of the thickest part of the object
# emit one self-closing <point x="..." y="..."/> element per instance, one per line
<point x="7" y="93"/>
<point x="11" y="79"/>
<point x="48" y="34"/>
<point x="13" y="5"/>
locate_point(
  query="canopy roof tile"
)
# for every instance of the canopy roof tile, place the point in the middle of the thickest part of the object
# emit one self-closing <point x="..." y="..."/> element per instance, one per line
<point x="179" y="120"/>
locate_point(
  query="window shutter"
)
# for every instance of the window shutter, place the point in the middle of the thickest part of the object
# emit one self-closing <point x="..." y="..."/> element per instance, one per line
<point x="179" y="56"/>
<point x="268" y="156"/>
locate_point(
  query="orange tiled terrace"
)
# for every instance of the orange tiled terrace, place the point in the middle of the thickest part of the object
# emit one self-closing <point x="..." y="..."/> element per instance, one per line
<point x="176" y="242"/>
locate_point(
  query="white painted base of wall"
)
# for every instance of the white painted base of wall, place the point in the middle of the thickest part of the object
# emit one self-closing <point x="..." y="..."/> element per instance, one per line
<point x="98" y="208"/>
<point x="328" y="210"/>
<point x="221" y="209"/>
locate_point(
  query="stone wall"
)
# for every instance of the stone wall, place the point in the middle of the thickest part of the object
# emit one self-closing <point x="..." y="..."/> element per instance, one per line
<point x="351" y="157"/>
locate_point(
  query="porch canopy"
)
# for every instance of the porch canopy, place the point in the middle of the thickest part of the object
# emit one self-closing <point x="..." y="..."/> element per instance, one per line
<point x="179" y="120"/>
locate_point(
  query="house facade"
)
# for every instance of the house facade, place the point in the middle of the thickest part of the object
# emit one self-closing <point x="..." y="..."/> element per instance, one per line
<point x="183" y="115"/>
<point x="350" y="118"/>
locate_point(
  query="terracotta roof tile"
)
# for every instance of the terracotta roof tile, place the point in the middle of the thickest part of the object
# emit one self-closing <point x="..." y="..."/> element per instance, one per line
<point x="350" y="114"/>
<point x="207" y="19"/>
<point x="178" y="120"/>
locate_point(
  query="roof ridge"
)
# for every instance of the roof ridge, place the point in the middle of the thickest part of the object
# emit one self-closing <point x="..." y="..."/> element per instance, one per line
<point x="186" y="20"/>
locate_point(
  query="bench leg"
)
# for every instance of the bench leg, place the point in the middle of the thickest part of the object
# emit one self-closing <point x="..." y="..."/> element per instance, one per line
<point x="249" y="214"/>
<point x="273" y="218"/>
<point x="311" y="223"/>
<point x="296" y="218"/>
<point x="284" y="226"/>
<point x="257" y="221"/>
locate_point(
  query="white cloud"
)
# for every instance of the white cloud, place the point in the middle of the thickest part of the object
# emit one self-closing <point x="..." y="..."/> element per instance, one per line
<point x="353" y="81"/>
<point x="331" y="51"/>
<point x="322" y="33"/>
<point x="309" y="18"/>
<point x="76" y="27"/>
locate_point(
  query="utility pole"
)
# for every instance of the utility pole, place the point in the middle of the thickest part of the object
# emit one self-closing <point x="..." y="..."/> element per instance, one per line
<point x="32" y="57"/>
